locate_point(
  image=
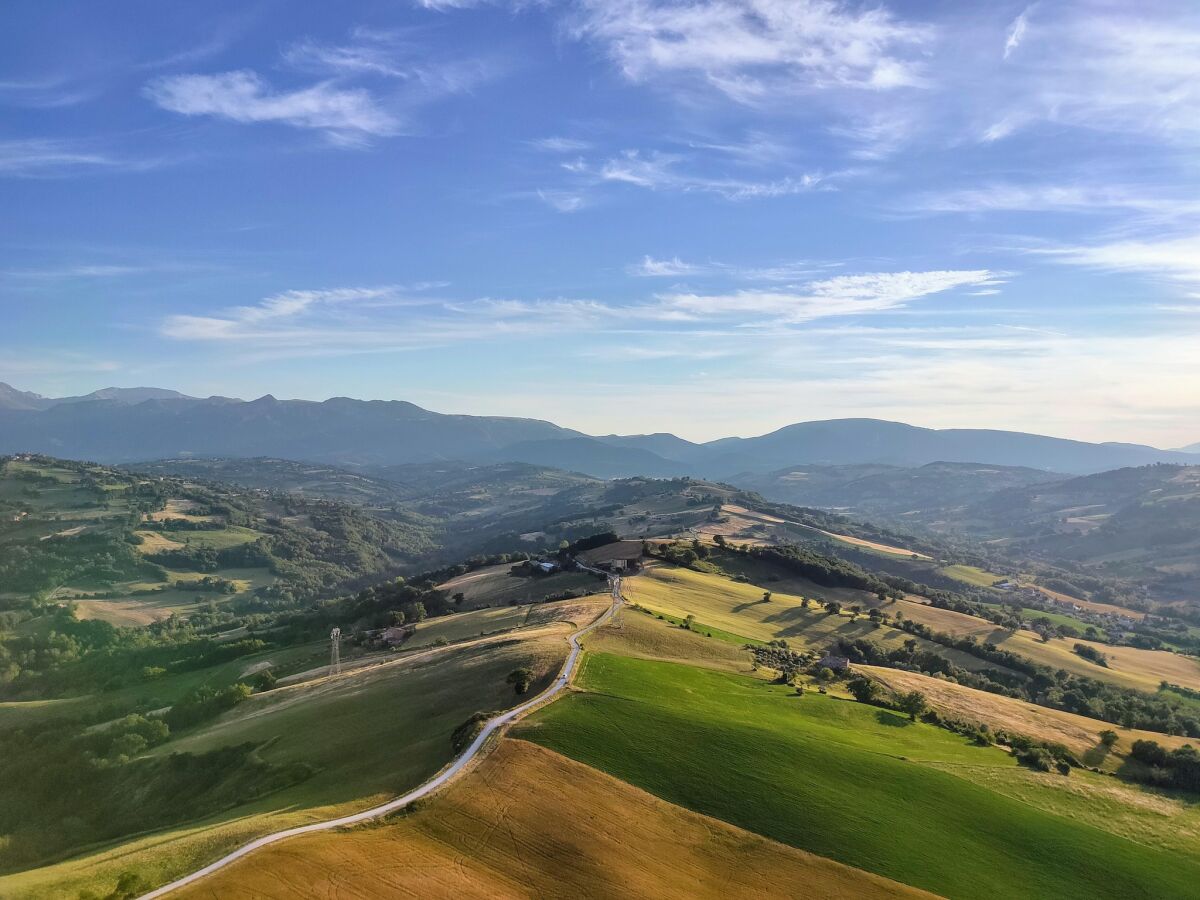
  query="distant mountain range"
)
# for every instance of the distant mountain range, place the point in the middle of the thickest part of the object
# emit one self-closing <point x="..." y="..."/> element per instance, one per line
<point x="11" y="398"/>
<point x="133" y="424"/>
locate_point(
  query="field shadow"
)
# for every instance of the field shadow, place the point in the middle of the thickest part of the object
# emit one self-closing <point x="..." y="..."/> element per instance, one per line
<point x="891" y="719"/>
<point x="1095" y="756"/>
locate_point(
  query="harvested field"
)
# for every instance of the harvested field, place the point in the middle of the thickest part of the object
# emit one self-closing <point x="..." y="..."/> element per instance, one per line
<point x="1079" y="733"/>
<point x="529" y="822"/>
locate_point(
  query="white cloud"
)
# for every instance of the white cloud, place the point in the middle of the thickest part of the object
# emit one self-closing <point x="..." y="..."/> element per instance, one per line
<point x="660" y="268"/>
<point x="838" y="296"/>
<point x="1016" y="33"/>
<point x="560" y="145"/>
<point x="243" y="322"/>
<point x="1101" y="66"/>
<point x="563" y="201"/>
<point x="1040" y="197"/>
<point x="346" y="115"/>
<point x="660" y="172"/>
<point x="1176" y="258"/>
<point x="755" y="50"/>
<point x="43" y="158"/>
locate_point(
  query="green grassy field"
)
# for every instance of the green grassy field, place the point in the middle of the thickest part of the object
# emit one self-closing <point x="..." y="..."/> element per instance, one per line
<point x="220" y="539"/>
<point x="971" y="575"/>
<point x="1030" y="614"/>
<point x="854" y="783"/>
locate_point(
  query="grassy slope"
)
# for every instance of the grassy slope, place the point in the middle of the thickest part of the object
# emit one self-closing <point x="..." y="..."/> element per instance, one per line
<point x="529" y="822"/>
<point x="371" y="734"/>
<point x="639" y="635"/>
<point x="846" y="781"/>
<point x="494" y="586"/>
<point x="738" y="609"/>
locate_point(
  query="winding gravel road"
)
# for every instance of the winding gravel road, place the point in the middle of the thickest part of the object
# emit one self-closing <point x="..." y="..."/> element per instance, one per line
<point x="560" y="684"/>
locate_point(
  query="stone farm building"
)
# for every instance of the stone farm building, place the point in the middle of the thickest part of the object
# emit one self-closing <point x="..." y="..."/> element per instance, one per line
<point x="619" y="556"/>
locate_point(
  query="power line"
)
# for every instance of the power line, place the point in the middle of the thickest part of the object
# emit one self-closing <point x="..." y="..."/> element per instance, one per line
<point x="335" y="653"/>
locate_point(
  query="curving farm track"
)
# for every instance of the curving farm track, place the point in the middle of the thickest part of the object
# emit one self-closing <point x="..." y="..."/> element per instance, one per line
<point x="550" y="693"/>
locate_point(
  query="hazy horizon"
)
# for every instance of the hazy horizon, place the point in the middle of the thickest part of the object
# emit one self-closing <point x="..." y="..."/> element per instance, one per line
<point x="598" y="430"/>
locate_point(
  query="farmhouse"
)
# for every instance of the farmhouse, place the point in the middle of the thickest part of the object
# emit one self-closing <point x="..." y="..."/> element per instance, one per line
<point x="395" y="636"/>
<point x="835" y="663"/>
<point x="619" y="556"/>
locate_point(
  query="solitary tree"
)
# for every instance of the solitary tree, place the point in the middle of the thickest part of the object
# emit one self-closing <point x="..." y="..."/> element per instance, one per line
<point x="459" y="598"/>
<point x="912" y="703"/>
<point x="833" y="607"/>
<point x="863" y="689"/>
<point x="766" y="597"/>
<point x="520" y="679"/>
<point x="1108" y="737"/>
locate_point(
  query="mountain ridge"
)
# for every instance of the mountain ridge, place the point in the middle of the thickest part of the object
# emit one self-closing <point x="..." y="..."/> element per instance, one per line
<point x="121" y="425"/>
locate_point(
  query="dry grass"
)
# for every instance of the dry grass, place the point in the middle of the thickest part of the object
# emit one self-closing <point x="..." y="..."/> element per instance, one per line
<point x="530" y="823"/>
<point x="634" y="633"/>
<point x="738" y="609"/>
<point x="156" y="542"/>
<point x="1127" y="666"/>
<point x="495" y="586"/>
<point x="178" y="509"/>
<point x="1079" y="733"/>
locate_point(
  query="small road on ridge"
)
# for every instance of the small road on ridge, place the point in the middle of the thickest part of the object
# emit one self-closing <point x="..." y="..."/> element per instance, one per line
<point x="550" y="693"/>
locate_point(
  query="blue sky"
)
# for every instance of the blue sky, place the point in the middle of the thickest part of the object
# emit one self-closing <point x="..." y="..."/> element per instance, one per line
<point x="713" y="218"/>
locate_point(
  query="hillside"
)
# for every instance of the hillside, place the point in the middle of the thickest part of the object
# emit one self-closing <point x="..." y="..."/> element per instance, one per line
<point x="915" y="495"/>
<point x="1140" y="523"/>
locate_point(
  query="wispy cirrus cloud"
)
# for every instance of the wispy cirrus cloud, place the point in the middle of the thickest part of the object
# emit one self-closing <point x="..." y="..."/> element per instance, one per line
<point x="46" y="158"/>
<point x="345" y="115"/>
<point x="1016" y="33"/>
<point x="353" y="319"/>
<point x="841" y="295"/>
<point x="662" y="172"/>
<point x="649" y="267"/>
<point x="1042" y="197"/>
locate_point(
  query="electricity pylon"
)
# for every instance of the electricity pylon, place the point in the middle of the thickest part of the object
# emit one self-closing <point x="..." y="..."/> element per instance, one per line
<point x="335" y="655"/>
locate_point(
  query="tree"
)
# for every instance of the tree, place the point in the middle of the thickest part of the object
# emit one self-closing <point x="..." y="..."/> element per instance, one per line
<point x="520" y="679"/>
<point x="689" y="621"/>
<point x="833" y="608"/>
<point x="459" y="598"/>
<point x="863" y="689"/>
<point x="1108" y="737"/>
<point x="265" y="680"/>
<point x="912" y="703"/>
<point x="804" y="602"/>
<point x="766" y="597"/>
<point x="719" y="540"/>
